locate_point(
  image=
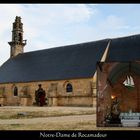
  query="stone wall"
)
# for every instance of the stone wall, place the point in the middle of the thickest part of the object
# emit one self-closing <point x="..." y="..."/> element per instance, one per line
<point x="15" y="50"/>
<point x="82" y="94"/>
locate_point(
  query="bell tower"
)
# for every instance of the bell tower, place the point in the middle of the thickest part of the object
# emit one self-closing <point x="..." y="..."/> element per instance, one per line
<point x="17" y="44"/>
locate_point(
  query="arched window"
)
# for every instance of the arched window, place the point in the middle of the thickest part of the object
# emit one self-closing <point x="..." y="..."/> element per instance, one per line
<point x="20" y="37"/>
<point x="69" y="87"/>
<point x="15" y="91"/>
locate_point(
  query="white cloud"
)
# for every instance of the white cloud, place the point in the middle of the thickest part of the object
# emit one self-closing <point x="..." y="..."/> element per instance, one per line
<point x="48" y="22"/>
<point x="75" y="13"/>
<point x="57" y="13"/>
<point x="52" y="25"/>
<point x="38" y="20"/>
<point x="7" y="14"/>
<point x="112" y="22"/>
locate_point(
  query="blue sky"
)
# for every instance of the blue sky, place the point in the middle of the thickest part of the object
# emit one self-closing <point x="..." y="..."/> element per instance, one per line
<point x="54" y="25"/>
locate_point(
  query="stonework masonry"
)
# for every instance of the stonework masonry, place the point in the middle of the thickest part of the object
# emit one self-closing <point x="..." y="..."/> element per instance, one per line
<point x="82" y="94"/>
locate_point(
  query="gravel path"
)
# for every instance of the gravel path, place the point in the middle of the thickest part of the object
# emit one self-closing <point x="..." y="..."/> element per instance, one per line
<point x="73" y="118"/>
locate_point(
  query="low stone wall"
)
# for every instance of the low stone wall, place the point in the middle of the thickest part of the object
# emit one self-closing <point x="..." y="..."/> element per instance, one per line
<point x="2" y="101"/>
<point x="75" y="101"/>
<point x="81" y="95"/>
<point x="25" y="101"/>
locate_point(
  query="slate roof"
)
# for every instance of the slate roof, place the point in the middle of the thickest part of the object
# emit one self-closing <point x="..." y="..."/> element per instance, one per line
<point x="124" y="49"/>
<point x="67" y="62"/>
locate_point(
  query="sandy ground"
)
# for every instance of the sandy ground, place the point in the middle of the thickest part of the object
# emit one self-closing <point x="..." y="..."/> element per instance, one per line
<point x="46" y="118"/>
<point x="61" y="119"/>
<point x="34" y="108"/>
<point x="51" y="118"/>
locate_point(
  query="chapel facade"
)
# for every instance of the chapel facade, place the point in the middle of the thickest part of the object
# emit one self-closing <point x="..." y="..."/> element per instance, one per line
<point x="68" y="75"/>
<point x="58" y="92"/>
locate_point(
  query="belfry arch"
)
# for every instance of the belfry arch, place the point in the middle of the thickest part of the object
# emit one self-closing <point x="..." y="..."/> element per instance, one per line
<point x="129" y="97"/>
<point x="110" y="85"/>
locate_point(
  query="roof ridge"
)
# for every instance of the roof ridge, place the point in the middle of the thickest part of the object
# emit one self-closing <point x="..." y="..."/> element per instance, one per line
<point x="122" y="37"/>
<point x="65" y="46"/>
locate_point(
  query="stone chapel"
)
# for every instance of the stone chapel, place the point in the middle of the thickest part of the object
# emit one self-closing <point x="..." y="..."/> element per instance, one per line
<point x="61" y="76"/>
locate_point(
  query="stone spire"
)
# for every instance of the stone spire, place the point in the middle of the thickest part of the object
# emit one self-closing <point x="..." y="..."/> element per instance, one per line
<point x="17" y="44"/>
